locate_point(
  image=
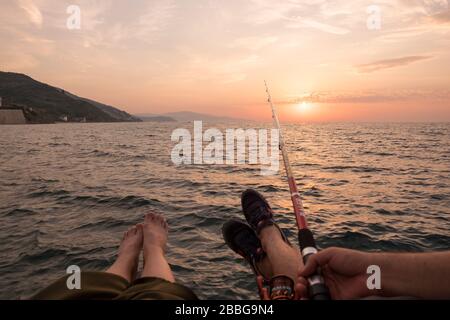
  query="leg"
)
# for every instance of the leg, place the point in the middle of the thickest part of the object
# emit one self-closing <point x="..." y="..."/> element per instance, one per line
<point x="265" y="267"/>
<point x="128" y="259"/>
<point x="155" y="238"/>
<point x="284" y="260"/>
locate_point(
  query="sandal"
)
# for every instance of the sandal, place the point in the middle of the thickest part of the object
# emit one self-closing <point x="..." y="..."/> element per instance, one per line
<point x="243" y="240"/>
<point x="258" y="212"/>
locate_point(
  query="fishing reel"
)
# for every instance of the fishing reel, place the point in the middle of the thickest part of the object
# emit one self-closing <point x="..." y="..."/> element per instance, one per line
<point x="277" y="288"/>
<point x="283" y="288"/>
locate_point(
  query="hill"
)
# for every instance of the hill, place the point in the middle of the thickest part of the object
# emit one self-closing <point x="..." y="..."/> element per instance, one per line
<point x="43" y="103"/>
<point x="155" y="118"/>
<point x="193" y="116"/>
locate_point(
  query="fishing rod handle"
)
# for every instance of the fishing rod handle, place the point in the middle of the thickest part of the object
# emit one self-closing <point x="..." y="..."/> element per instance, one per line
<point x="318" y="290"/>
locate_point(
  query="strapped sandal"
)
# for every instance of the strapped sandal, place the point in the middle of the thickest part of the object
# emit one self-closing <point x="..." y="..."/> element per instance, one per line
<point x="258" y="212"/>
<point x="243" y="240"/>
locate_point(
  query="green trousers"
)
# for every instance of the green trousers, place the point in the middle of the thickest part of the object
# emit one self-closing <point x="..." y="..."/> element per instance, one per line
<point x="106" y="286"/>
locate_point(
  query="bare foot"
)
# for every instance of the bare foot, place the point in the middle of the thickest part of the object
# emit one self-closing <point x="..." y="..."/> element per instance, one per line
<point x="155" y="231"/>
<point x="128" y="258"/>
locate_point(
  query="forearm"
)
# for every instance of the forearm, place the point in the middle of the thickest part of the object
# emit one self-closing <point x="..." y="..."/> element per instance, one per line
<point x="421" y="275"/>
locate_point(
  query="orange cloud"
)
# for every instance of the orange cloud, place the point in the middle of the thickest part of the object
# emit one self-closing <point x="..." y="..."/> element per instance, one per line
<point x="389" y="63"/>
<point x="441" y="18"/>
<point x="372" y="96"/>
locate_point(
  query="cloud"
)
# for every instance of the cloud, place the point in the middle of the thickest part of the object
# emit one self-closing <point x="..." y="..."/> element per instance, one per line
<point x="427" y="6"/>
<point x="432" y="7"/>
<point x="268" y="11"/>
<point x="301" y="14"/>
<point x="441" y="18"/>
<point x="425" y="13"/>
<point x="375" y="96"/>
<point x="26" y="50"/>
<point x="146" y="24"/>
<point x="231" y="70"/>
<point x="12" y="60"/>
<point x="33" y="12"/>
<point x="155" y="18"/>
<point x="92" y="15"/>
<point x="204" y="68"/>
<point x="253" y="43"/>
<point x="308" y="23"/>
<point x="389" y="63"/>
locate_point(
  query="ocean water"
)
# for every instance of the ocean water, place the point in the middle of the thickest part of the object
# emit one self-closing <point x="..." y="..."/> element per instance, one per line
<point x="67" y="193"/>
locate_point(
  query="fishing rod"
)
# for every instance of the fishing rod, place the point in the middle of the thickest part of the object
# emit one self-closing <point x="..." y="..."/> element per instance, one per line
<point x="317" y="287"/>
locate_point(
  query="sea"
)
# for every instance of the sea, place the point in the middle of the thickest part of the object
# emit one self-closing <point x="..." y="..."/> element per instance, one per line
<point x="69" y="191"/>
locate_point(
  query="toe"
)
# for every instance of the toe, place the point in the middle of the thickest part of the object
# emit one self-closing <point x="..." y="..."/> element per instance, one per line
<point x="157" y="217"/>
<point x="149" y="217"/>
<point x="160" y="219"/>
<point x="139" y="230"/>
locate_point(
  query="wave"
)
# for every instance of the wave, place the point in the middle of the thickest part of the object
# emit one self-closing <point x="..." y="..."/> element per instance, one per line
<point x="356" y="169"/>
<point x="20" y="213"/>
<point x="59" y="194"/>
<point x="127" y="202"/>
<point x="102" y="225"/>
<point x="63" y="144"/>
<point x="392" y="212"/>
<point x="100" y="153"/>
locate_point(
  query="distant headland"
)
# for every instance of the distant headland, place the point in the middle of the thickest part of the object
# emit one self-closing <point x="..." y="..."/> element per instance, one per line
<point x="184" y="116"/>
<point x="42" y="103"/>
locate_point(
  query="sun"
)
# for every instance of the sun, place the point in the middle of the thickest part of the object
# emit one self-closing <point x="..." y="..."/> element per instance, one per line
<point x="304" y="106"/>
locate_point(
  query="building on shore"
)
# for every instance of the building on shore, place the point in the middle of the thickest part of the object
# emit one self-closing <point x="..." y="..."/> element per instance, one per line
<point x="11" y="116"/>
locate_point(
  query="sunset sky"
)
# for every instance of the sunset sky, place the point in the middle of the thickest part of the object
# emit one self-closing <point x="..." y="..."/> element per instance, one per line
<point x="322" y="60"/>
